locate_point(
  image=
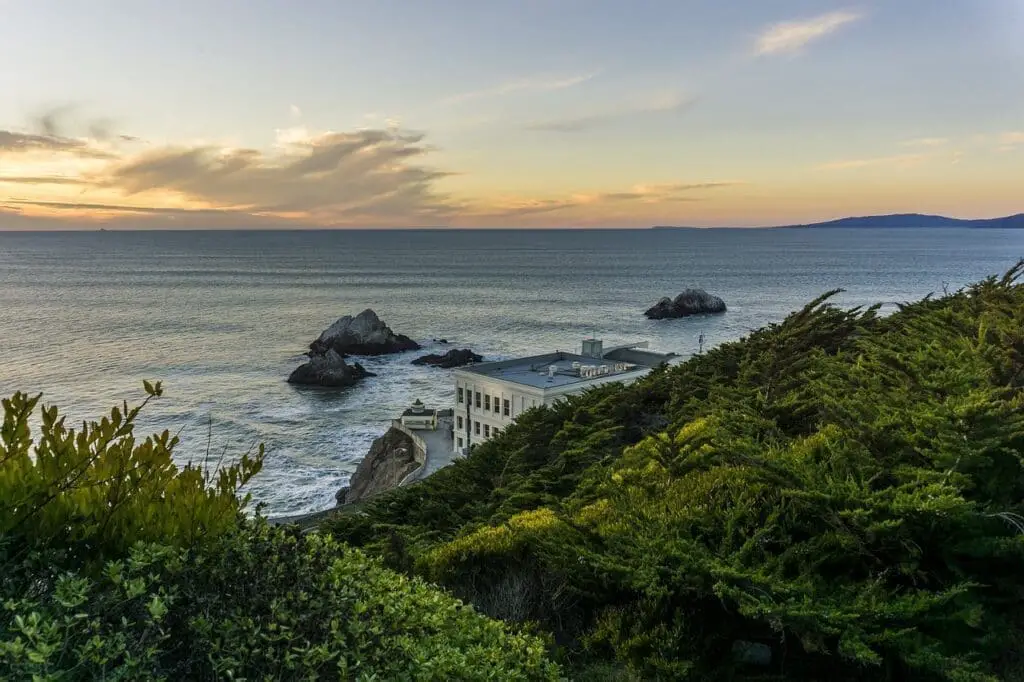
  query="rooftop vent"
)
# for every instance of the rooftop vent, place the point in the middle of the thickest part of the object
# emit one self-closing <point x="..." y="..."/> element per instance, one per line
<point x="593" y="348"/>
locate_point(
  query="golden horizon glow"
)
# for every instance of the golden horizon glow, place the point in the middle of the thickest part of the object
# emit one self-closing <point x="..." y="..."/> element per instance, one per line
<point x="767" y="117"/>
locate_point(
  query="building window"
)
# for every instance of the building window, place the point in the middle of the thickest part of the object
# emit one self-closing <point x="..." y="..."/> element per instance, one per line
<point x="462" y="398"/>
<point x="478" y="400"/>
<point x="508" y="407"/>
<point x="495" y="431"/>
<point x="497" y="404"/>
<point x="487" y="431"/>
<point x="487" y="403"/>
<point x="476" y="428"/>
<point x="458" y="420"/>
<point x="460" y="441"/>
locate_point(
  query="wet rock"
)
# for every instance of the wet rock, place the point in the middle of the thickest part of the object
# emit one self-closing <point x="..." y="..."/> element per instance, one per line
<point x="328" y="369"/>
<point x="453" y="358"/>
<point x="690" y="302"/>
<point x="391" y="458"/>
<point x="364" y="334"/>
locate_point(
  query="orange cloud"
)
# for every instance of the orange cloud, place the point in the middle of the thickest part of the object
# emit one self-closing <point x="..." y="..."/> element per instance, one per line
<point x="369" y="177"/>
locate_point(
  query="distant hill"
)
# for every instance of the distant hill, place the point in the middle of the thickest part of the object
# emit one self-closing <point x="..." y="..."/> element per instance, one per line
<point x="909" y="220"/>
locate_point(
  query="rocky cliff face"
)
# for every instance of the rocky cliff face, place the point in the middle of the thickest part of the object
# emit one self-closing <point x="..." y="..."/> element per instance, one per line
<point x="364" y="334"/>
<point x="328" y="369"/>
<point x="390" y="459"/>
<point x="690" y="302"/>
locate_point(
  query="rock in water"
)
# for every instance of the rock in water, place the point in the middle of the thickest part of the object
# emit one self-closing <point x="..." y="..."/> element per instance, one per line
<point x="391" y="458"/>
<point x="364" y="334"/>
<point x="453" y="358"/>
<point x="690" y="302"/>
<point x="328" y="369"/>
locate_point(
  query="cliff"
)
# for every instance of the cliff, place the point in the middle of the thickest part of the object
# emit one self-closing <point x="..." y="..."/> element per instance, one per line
<point x="391" y="458"/>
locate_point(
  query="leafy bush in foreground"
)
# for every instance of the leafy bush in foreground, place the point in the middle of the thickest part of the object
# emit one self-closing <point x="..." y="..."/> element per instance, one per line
<point x="115" y="564"/>
<point x="95" y="492"/>
<point x="840" y="496"/>
<point x="259" y="603"/>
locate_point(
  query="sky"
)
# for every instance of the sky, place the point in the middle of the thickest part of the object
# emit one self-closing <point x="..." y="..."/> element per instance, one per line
<point x="506" y="113"/>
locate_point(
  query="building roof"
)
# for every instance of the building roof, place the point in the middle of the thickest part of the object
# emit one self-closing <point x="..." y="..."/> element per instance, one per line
<point x="638" y="356"/>
<point x="418" y="410"/>
<point x="534" y="371"/>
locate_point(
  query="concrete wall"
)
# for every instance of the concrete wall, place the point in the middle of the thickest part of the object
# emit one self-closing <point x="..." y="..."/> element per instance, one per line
<point x="419" y="450"/>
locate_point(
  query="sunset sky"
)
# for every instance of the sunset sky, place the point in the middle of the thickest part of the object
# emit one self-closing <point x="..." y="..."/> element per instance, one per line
<point x="506" y="113"/>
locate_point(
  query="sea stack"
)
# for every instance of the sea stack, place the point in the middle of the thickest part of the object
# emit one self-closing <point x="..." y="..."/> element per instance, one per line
<point x="364" y="334"/>
<point x="456" y="357"/>
<point x="328" y="369"/>
<point x="690" y="302"/>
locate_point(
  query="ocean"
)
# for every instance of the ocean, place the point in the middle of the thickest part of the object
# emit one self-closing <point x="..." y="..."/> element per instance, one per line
<point x="221" y="318"/>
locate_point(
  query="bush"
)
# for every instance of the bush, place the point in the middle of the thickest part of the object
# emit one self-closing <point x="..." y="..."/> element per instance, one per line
<point x="94" y="493"/>
<point x="839" y="496"/>
<point x="115" y="564"/>
<point x="259" y="603"/>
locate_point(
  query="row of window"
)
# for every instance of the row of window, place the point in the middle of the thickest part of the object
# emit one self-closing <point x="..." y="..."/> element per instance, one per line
<point x="500" y="406"/>
<point x="488" y="431"/>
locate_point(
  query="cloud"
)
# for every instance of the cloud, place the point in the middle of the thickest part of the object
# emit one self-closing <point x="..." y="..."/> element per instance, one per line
<point x="40" y="180"/>
<point x="295" y="111"/>
<point x="534" y="84"/>
<point x="60" y="214"/>
<point x="788" y="37"/>
<point x="50" y="136"/>
<point x="897" y="160"/>
<point x="12" y="142"/>
<point x="1010" y="141"/>
<point x="645" y="194"/>
<point x="118" y="208"/>
<point x="926" y="142"/>
<point x="369" y="174"/>
<point x="379" y="176"/>
<point x="666" y="104"/>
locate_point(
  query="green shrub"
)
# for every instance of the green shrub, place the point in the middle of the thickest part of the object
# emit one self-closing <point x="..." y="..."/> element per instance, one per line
<point x="95" y="492"/>
<point x="117" y="565"/>
<point x="841" y="494"/>
<point x="258" y="603"/>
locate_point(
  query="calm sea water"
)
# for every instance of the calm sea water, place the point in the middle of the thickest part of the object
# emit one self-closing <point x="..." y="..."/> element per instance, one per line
<point x="222" y="317"/>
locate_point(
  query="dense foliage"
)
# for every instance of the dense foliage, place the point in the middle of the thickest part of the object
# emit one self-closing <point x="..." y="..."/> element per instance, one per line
<point x="838" y="496"/>
<point x="115" y="564"/>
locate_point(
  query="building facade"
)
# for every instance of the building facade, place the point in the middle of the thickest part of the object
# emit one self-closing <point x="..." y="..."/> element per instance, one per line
<point x="491" y="395"/>
<point x="419" y="417"/>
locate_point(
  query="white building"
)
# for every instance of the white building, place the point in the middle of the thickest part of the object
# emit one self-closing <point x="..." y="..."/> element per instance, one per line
<point x="419" y="417"/>
<point x="490" y="395"/>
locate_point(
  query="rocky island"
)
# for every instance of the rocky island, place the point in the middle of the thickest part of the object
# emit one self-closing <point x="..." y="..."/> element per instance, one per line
<point x="364" y="334"/>
<point x="690" y="302"/>
<point x="328" y="369"/>
<point x="457" y="357"/>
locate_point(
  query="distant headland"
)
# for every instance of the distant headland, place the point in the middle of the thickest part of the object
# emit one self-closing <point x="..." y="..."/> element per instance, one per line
<point x="903" y="220"/>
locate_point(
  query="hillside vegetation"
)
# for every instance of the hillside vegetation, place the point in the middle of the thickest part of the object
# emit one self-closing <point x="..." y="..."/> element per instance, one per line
<point x="838" y="496"/>
<point x="117" y="565"/>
